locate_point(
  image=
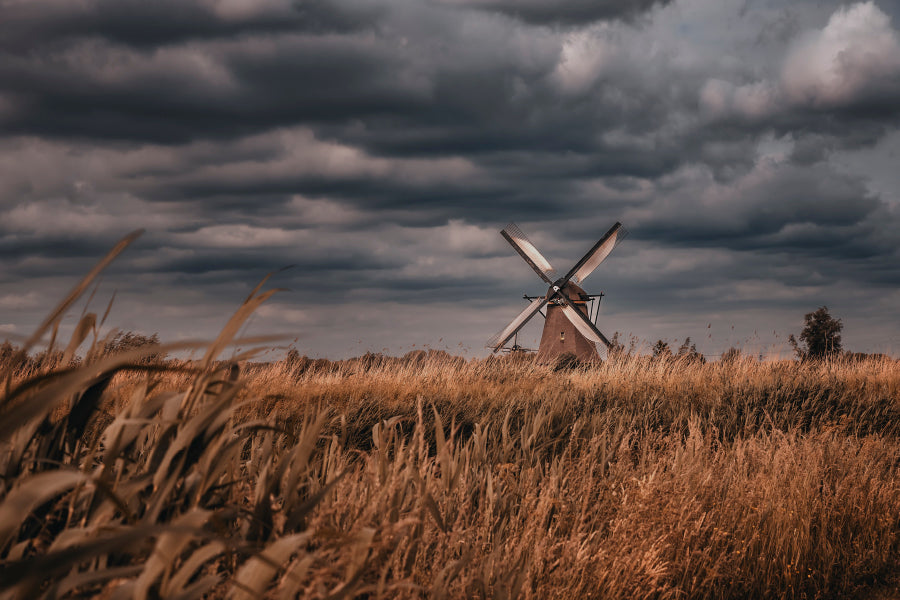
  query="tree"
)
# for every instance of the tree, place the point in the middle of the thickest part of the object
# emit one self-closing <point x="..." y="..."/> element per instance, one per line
<point x="821" y="337"/>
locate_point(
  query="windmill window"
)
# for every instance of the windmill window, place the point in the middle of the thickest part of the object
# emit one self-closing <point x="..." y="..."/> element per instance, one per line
<point x="562" y="336"/>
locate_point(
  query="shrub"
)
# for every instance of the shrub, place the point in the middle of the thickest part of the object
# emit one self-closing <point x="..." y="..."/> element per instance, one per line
<point x="687" y="352"/>
<point x="661" y="350"/>
<point x="566" y="362"/>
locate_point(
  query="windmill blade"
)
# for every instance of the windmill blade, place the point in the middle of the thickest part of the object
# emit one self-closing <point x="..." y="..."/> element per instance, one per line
<point x="584" y="325"/>
<point x="526" y="250"/>
<point x="597" y="254"/>
<point x="498" y="341"/>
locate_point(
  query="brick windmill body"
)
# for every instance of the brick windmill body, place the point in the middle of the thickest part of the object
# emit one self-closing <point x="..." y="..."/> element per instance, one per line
<point x="560" y="335"/>
<point x="568" y="327"/>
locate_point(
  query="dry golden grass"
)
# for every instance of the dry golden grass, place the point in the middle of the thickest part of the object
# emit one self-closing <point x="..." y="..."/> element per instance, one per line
<point x="448" y="479"/>
<point x="637" y="478"/>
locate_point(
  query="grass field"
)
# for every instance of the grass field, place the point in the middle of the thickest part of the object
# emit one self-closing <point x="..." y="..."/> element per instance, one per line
<point x="442" y="478"/>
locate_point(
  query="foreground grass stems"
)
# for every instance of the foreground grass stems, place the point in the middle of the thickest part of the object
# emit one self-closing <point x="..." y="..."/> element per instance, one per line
<point x="443" y="478"/>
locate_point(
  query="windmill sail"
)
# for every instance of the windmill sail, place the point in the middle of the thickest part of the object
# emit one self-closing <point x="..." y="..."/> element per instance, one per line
<point x="584" y="325"/>
<point x="598" y="253"/>
<point x="517" y="238"/>
<point x="498" y="340"/>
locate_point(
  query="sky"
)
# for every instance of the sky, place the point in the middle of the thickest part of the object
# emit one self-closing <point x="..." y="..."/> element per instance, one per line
<point x="750" y="147"/>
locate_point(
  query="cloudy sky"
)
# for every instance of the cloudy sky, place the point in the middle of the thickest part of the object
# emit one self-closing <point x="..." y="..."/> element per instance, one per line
<point x="751" y="148"/>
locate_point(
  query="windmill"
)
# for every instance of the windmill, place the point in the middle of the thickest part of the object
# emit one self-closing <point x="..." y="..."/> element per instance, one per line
<point x="567" y="326"/>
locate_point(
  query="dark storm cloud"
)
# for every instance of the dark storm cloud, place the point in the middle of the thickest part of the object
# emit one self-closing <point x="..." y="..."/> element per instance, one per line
<point x="209" y="89"/>
<point x="379" y="145"/>
<point x="151" y="24"/>
<point x="760" y="209"/>
<point x="431" y="100"/>
<point x="565" y="12"/>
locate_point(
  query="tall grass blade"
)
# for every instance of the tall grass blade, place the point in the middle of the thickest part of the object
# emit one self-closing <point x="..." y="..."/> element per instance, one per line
<point x="25" y="497"/>
<point x="79" y="289"/>
<point x="255" y="576"/>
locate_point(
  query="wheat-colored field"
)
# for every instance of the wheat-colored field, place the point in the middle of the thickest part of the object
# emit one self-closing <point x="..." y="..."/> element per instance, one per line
<point x="437" y="478"/>
<point x="128" y="476"/>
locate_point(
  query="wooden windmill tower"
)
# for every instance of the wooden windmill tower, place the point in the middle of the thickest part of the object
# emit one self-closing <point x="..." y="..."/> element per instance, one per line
<point x="568" y="326"/>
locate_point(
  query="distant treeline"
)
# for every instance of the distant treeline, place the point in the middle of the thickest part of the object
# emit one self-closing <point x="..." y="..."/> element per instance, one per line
<point x="298" y="363"/>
